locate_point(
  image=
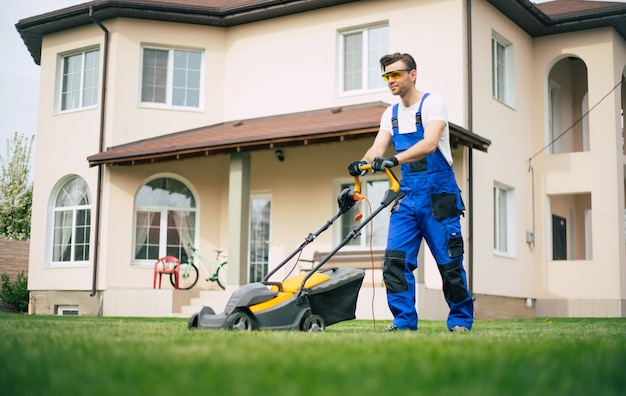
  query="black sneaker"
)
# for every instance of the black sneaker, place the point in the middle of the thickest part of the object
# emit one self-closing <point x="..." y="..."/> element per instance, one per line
<point x="393" y="327"/>
<point x="458" y="329"/>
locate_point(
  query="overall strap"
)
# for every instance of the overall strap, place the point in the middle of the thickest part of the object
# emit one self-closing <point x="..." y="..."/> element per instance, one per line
<point x="418" y="115"/>
<point x="394" y="118"/>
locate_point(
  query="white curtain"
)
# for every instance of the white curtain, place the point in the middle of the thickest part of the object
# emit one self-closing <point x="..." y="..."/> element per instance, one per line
<point x="183" y="226"/>
<point x="141" y="230"/>
<point x="147" y="197"/>
<point x="64" y="225"/>
<point x="161" y="197"/>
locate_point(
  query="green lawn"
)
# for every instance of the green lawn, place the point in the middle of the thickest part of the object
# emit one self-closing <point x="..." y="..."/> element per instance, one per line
<point x="47" y="355"/>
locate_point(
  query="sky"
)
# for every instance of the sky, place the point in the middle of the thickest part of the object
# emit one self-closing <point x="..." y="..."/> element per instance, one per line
<point x="19" y="75"/>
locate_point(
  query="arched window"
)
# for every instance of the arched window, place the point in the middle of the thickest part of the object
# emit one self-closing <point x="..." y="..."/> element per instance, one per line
<point x="165" y="220"/>
<point x="72" y="223"/>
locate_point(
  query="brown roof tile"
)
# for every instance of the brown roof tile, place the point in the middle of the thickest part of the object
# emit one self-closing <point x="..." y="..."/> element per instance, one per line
<point x="224" y="13"/>
<point x="295" y="129"/>
<point x="305" y="128"/>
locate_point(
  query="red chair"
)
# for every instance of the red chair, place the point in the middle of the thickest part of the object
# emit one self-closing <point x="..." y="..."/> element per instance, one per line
<point x="166" y="265"/>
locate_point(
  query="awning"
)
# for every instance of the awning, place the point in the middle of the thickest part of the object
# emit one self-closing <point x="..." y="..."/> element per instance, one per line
<point x="288" y="130"/>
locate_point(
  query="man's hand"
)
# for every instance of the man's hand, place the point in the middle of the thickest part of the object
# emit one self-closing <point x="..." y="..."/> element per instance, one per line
<point x="379" y="164"/>
<point x="355" y="168"/>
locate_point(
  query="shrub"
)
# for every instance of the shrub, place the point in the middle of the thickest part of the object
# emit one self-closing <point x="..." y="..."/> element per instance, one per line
<point x="14" y="295"/>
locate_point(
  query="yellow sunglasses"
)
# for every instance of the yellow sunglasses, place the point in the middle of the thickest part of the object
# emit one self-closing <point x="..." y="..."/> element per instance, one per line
<point x="394" y="75"/>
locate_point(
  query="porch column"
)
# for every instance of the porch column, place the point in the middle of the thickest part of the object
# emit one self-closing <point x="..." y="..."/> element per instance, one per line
<point x="238" y="218"/>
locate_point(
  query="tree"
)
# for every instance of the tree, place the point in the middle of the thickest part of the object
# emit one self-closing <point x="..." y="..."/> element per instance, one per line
<point x="16" y="192"/>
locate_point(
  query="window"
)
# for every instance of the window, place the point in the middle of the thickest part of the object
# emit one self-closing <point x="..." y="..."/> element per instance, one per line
<point x="376" y="231"/>
<point x="171" y="77"/>
<point x="260" y="215"/>
<point x="502" y="70"/>
<point x="72" y="223"/>
<point x="559" y="238"/>
<point x="503" y="220"/>
<point x="79" y="80"/>
<point x="67" y="310"/>
<point x="360" y="52"/>
<point x="165" y="220"/>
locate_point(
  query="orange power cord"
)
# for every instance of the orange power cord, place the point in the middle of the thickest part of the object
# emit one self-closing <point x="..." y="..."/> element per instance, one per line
<point x="371" y="239"/>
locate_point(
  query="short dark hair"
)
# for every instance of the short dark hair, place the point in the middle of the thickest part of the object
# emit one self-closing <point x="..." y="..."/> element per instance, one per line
<point x="386" y="60"/>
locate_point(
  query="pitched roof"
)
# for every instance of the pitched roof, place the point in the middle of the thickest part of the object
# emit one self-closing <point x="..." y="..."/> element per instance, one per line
<point x="223" y="13"/>
<point x="296" y="129"/>
<point x="292" y="129"/>
<point x="562" y="16"/>
<point x="537" y="20"/>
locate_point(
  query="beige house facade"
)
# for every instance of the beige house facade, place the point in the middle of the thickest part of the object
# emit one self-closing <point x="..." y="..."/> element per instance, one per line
<point x="229" y="125"/>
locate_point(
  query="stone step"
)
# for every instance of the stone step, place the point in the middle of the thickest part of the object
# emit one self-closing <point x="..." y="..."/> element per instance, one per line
<point x="215" y="299"/>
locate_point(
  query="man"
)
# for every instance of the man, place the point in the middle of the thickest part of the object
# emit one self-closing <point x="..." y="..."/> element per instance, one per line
<point x="431" y="208"/>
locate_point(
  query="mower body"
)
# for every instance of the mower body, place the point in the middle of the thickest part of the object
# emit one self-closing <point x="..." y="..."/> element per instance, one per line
<point x="307" y="302"/>
<point x="328" y="297"/>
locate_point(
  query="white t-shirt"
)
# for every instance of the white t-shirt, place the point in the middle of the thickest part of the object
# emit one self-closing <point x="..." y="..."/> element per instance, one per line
<point x="434" y="108"/>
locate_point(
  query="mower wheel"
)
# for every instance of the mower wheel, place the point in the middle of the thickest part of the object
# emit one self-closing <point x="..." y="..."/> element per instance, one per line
<point x="193" y="321"/>
<point x="313" y="323"/>
<point x="239" y="321"/>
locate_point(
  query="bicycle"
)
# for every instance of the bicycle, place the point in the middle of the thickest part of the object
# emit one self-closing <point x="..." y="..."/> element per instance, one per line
<point x="189" y="274"/>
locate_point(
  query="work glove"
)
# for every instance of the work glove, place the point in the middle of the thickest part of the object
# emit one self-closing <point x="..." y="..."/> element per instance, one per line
<point x="379" y="164"/>
<point x="355" y="168"/>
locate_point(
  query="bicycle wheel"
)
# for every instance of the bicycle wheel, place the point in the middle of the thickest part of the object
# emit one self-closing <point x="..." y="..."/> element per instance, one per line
<point x="188" y="276"/>
<point x="220" y="275"/>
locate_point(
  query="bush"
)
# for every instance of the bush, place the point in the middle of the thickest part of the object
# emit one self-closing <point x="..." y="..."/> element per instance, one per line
<point x="14" y="296"/>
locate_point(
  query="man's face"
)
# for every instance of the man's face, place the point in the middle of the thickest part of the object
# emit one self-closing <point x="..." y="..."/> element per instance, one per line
<point x="399" y="78"/>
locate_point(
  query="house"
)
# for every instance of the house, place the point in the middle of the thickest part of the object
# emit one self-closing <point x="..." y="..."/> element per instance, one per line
<point x="229" y="125"/>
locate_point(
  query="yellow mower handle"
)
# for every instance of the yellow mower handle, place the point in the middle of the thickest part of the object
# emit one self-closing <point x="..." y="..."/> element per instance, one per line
<point x="394" y="185"/>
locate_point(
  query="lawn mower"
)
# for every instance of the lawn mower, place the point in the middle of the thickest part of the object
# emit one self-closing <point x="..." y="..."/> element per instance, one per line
<point x="306" y="302"/>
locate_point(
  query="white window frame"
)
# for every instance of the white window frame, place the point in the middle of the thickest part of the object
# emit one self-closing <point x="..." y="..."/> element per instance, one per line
<point x="169" y="85"/>
<point x="164" y="212"/>
<point x="370" y="57"/>
<point x="504" y="239"/>
<point x="502" y="70"/>
<point x="258" y="197"/>
<point x="86" y="76"/>
<point x="67" y="310"/>
<point x="380" y="222"/>
<point x="73" y="211"/>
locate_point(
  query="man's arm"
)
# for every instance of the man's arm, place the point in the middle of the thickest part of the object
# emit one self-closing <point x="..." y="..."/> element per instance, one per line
<point x="379" y="147"/>
<point x="432" y="134"/>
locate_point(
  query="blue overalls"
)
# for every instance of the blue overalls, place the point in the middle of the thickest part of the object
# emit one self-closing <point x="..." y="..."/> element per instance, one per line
<point x="430" y="210"/>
